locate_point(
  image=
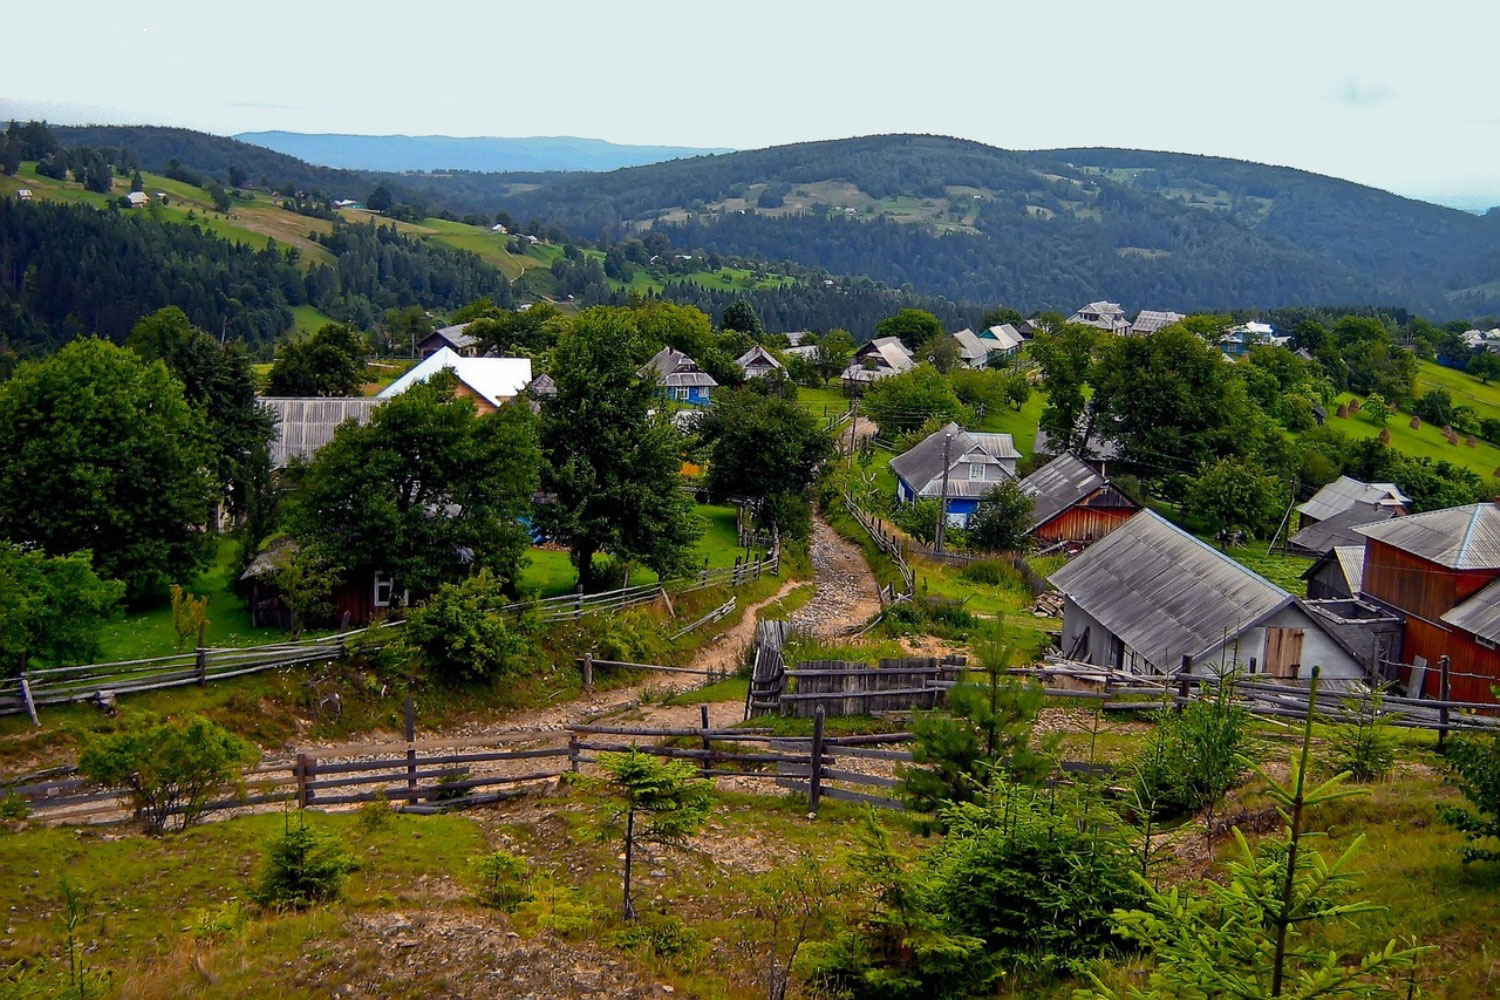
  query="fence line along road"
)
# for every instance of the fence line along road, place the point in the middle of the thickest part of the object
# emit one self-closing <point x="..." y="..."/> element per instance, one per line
<point x="103" y="682"/>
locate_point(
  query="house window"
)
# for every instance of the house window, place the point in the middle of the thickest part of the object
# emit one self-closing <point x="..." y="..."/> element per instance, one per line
<point x="683" y="394"/>
<point x="976" y="471"/>
<point x="1486" y="643"/>
<point x="385" y="588"/>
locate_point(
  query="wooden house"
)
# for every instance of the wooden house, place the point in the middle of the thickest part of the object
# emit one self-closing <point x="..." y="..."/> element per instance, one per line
<point x="1003" y="340"/>
<point x="1107" y="316"/>
<point x="1072" y="502"/>
<point x="1149" y="597"/>
<point x="880" y="358"/>
<point x="490" y="382"/>
<point x="1148" y="321"/>
<point x="452" y="337"/>
<point x="1441" y="571"/>
<point x="757" y="362"/>
<point x="680" y="377"/>
<point x="355" y="600"/>
<point x="975" y="464"/>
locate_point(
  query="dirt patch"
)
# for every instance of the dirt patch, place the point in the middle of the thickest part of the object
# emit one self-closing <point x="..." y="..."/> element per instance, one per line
<point x="846" y="595"/>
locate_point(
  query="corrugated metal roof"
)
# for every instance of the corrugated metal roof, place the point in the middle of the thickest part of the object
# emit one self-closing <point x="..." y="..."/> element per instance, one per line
<point x="1352" y="561"/>
<point x="1480" y="614"/>
<point x="922" y="465"/>
<point x="1007" y="337"/>
<point x="1058" y="485"/>
<point x="1164" y="593"/>
<point x="889" y="351"/>
<point x="677" y="370"/>
<point x="305" y="424"/>
<point x="759" y="356"/>
<point x="970" y="347"/>
<point x="493" y="379"/>
<point x="1151" y="320"/>
<point x="1465" y="537"/>
<point x="1344" y="492"/>
<point x="1338" y="529"/>
<point x="455" y="335"/>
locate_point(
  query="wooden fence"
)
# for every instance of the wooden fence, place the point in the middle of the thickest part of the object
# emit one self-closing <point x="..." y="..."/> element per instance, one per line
<point x="839" y="687"/>
<point x="768" y="672"/>
<point x="891" y="546"/>
<point x="103" y="682"/>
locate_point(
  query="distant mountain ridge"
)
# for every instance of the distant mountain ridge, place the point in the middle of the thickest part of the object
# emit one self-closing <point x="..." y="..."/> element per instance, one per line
<point x="400" y="153"/>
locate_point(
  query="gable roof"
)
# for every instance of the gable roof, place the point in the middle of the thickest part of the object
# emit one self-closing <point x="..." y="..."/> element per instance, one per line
<point x="1465" y="537"/>
<point x="1165" y="593"/>
<point x="889" y="350"/>
<point x="1338" y="529"/>
<point x="306" y="423"/>
<point x="1058" y="485"/>
<point x="970" y="347"/>
<point x="454" y="335"/>
<point x="1345" y="492"/>
<point x="676" y="370"/>
<point x="1151" y="320"/>
<point x="492" y="379"/>
<point x="1006" y="336"/>
<point x="922" y="465"/>
<point x="1480" y="614"/>
<point x="758" y="356"/>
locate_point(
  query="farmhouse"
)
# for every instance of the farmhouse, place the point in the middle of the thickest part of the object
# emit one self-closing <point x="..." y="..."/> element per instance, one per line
<point x="1238" y="340"/>
<point x="972" y="350"/>
<point x="490" y="382"/>
<point x="1151" y="320"/>
<point x="23" y="194"/>
<point x="138" y="199"/>
<point x="1101" y="315"/>
<point x="1150" y="597"/>
<point x="347" y="203"/>
<point x="452" y="337"/>
<point x="1441" y="571"/>
<point x="305" y="424"/>
<point x="880" y="358"/>
<point x="355" y="599"/>
<point x="969" y="463"/>
<point x="1071" y="502"/>
<point x="680" y="376"/>
<point x="757" y="362"/>
<point x="1003" y="340"/>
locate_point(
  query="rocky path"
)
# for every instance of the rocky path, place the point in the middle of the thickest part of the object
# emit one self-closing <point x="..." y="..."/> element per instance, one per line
<point x="847" y="596"/>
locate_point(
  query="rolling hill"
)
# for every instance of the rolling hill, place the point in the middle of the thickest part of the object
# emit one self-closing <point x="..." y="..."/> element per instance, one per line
<point x="399" y="153"/>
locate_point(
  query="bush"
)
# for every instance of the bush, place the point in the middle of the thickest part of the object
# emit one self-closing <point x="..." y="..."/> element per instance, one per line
<point x="561" y="909"/>
<point x="1195" y="757"/>
<point x="1366" y="748"/>
<point x="463" y="635"/>
<point x="13" y="807"/>
<point x="662" y="937"/>
<point x="502" y="881"/>
<point x="302" y="867"/>
<point x="993" y="573"/>
<point x="918" y="518"/>
<point x="172" y="769"/>
<point x="1475" y="765"/>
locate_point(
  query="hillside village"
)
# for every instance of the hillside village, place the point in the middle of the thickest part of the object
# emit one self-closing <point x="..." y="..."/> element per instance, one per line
<point x="429" y="629"/>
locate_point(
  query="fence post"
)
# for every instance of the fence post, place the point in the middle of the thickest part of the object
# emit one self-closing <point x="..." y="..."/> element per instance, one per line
<point x="1182" y="681"/>
<point x="305" y="768"/>
<point x="1443" y="664"/>
<point x="588" y="671"/>
<point x="200" y="661"/>
<point x="573" y="752"/>
<point x="708" y="761"/>
<point x="411" y="750"/>
<point x="815" y="773"/>
<point x="26" y="691"/>
<point x="735" y="578"/>
<point x="578" y="603"/>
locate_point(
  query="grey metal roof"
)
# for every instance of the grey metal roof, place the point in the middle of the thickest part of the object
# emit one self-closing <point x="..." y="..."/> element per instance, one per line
<point x="922" y="465"/>
<point x="970" y="347"/>
<point x="1480" y="614"/>
<point x="1338" y="529"/>
<point x="454" y="335"/>
<point x="1058" y="485"/>
<point x="889" y="352"/>
<point x="1151" y="320"/>
<point x="1344" y="492"/>
<point x="1004" y="336"/>
<point x="676" y="370"/>
<point x="1465" y="537"/>
<point x="1164" y="593"/>
<point x="1097" y="447"/>
<point x="305" y="424"/>
<point x="542" y="385"/>
<point x="1350" y="560"/>
<point x="758" y="356"/>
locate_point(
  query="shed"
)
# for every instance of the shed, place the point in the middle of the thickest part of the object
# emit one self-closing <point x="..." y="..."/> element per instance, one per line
<point x="1072" y="502"/>
<point x="1150" y="594"/>
<point x="452" y="337"/>
<point x="1335" y="575"/>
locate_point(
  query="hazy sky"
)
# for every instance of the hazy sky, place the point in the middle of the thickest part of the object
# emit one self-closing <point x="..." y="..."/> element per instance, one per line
<point x="1403" y="95"/>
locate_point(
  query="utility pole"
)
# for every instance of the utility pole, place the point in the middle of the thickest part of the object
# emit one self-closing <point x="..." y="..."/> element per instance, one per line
<point x="942" y="522"/>
<point x="853" y="428"/>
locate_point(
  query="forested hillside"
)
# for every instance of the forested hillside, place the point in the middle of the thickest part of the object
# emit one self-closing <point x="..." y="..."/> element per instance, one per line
<point x="450" y="152"/>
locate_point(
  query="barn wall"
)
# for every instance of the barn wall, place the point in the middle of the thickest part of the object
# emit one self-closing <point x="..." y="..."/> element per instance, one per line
<point x="1430" y="641"/>
<point x="1417" y="585"/>
<point x="1079" y="524"/>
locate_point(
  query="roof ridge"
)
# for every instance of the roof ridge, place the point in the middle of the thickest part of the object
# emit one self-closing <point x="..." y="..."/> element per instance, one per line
<point x="1224" y="556"/>
<point x="1463" y="545"/>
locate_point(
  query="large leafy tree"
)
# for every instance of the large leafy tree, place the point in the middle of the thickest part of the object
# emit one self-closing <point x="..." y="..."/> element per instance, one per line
<point x="1002" y="523"/>
<point x="913" y="326"/>
<point x="427" y="491"/>
<point x="99" y="450"/>
<point x="51" y="606"/>
<point x="329" y="363"/>
<point x="902" y="403"/>
<point x="1065" y="357"/>
<point x="217" y="379"/>
<point x="740" y="315"/>
<point x="1233" y="495"/>
<point x="510" y="332"/>
<point x="612" y="457"/>
<point x="767" y="448"/>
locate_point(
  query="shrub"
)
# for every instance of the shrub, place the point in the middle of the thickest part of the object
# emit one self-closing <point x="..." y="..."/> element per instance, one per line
<point x="993" y="573"/>
<point x="1202" y="753"/>
<point x="13" y="807"/>
<point x="375" y="815"/>
<point x="302" y="867"/>
<point x="1366" y="748"/>
<point x="463" y="635"/>
<point x="664" y="937"/>
<point x="1475" y="765"/>
<point x="560" y="909"/>
<point x="502" y="881"/>
<point x="172" y="769"/>
<point x="1002" y="523"/>
<point x="918" y="518"/>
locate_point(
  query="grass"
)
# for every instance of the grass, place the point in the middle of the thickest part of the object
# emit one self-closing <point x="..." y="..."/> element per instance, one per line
<point x="1009" y="605"/>
<point x="1424" y="442"/>
<point x="1463" y="387"/>
<point x="1282" y="568"/>
<point x="782" y="609"/>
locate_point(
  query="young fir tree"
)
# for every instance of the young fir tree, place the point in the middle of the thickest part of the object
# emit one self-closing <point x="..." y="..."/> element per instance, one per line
<point x="664" y="802"/>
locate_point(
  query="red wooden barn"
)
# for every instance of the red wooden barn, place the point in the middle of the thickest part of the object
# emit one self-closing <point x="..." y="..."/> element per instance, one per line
<point x="1072" y="502"/>
<point x="1441" y="570"/>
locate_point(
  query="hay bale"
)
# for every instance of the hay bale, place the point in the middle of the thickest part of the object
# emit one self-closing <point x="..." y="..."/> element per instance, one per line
<point x="1416" y="423"/>
<point x="1471" y="442"/>
<point x="1343" y="411"/>
<point x="1354" y="405"/>
<point x="1385" y="435"/>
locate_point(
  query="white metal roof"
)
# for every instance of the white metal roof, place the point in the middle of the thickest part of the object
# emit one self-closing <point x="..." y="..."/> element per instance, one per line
<point x="492" y="379"/>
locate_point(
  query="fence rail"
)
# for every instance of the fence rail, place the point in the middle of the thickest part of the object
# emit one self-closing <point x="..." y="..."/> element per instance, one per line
<point x="891" y="547"/>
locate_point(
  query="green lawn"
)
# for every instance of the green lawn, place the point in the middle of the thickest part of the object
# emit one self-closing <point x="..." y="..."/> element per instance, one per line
<point x="1019" y="424"/>
<point x="1425" y="442"/>
<point x="1463" y="387"/>
<point x="309" y="319"/>
<point x="1283" y="569"/>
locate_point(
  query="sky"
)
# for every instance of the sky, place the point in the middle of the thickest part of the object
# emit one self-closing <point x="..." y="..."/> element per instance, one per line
<point x="1402" y="96"/>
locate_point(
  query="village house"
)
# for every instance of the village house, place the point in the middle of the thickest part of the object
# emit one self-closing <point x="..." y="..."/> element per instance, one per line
<point x="1090" y="443"/>
<point x="138" y="199"/>
<point x="1150" y="320"/>
<point x="1073" y="503"/>
<point x="680" y="377"/>
<point x="1149" y="598"/>
<point x="1003" y="340"/>
<point x="23" y="194"/>
<point x="794" y="338"/>
<point x="1238" y="340"/>
<point x="490" y="382"/>
<point x="757" y="362"/>
<point x="498" y="228"/>
<point x="973" y="351"/>
<point x="1440" y="570"/>
<point x="355" y="600"/>
<point x="1489" y="340"/>
<point x="1107" y="316"/>
<point x="348" y="203"/>
<point x="880" y="358"/>
<point x="304" y="424"/>
<point x="975" y="463"/>
<point x="1330" y="516"/>
<point x="452" y="337"/>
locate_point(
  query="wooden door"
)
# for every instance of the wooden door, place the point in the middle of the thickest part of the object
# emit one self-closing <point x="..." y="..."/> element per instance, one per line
<point x="1283" y="655"/>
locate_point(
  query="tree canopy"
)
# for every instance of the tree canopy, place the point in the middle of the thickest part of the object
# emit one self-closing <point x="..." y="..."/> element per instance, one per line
<point x="329" y="363"/>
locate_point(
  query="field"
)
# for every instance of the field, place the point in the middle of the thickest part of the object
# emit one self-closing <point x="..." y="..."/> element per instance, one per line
<point x="1463" y="387"/>
<point x="1425" y="442"/>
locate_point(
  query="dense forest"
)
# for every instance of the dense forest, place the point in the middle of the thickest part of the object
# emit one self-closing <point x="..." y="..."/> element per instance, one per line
<point x="71" y="269"/>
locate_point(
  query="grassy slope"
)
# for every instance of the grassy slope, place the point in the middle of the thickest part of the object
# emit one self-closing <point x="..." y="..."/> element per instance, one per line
<point x="1463" y="387"/>
<point x="1425" y="442"/>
